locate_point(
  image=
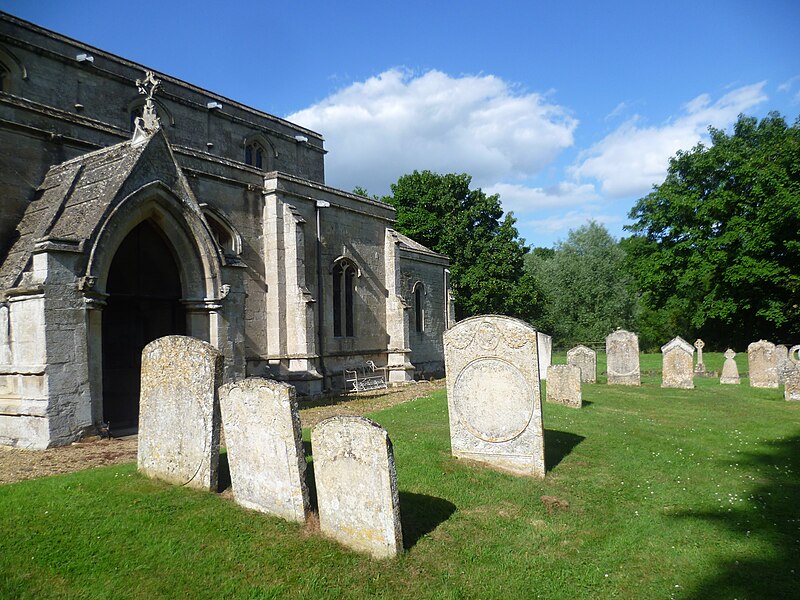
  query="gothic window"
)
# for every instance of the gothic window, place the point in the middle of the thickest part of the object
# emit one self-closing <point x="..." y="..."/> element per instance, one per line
<point x="419" y="307"/>
<point x="226" y="237"/>
<point x="344" y="280"/>
<point x="254" y="154"/>
<point x="5" y="78"/>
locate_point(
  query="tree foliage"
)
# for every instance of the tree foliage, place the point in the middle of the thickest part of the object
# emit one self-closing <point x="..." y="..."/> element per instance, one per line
<point x="715" y="247"/>
<point x="486" y="254"/>
<point x="587" y="291"/>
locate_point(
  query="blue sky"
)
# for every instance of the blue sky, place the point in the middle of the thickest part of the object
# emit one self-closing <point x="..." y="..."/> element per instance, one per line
<point x="569" y="110"/>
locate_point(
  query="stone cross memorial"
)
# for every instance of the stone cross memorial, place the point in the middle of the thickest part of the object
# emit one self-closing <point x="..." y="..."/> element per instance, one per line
<point x="730" y="372"/>
<point x="791" y="384"/>
<point x="564" y="385"/>
<point x="356" y="482"/>
<point x="762" y="364"/>
<point x="179" y="412"/>
<point x="700" y="368"/>
<point x="265" y="447"/>
<point x="676" y="364"/>
<point x="493" y="394"/>
<point x="622" y="358"/>
<point x="586" y="360"/>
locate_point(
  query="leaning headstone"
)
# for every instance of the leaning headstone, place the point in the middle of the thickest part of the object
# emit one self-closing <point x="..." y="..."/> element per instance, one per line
<point x="493" y="394"/>
<point x="762" y="364"/>
<point x="265" y="447"/>
<point x="179" y="412"/>
<point x="622" y="358"/>
<point x="784" y="364"/>
<point x="676" y="364"/>
<point x="586" y="360"/>
<point x="356" y="482"/>
<point x="791" y="384"/>
<point x="564" y="385"/>
<point x="730" y="372"/>
<point x="544" y="345"/>
<point x="700" y="368"/>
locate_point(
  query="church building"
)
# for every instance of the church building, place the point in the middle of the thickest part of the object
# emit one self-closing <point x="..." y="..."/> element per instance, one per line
<point x="135" y="205"/>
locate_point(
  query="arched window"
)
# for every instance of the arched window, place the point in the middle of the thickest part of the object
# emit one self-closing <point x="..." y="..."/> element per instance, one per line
<point x="5" y="78"/>
<point x="419" y="307"/>
<point x="12" y="72"/>
<point x="259" y="152"/>
<point x="344" y="282"/>
<point x="254" y="154"/>
<point x="229" y="241"/>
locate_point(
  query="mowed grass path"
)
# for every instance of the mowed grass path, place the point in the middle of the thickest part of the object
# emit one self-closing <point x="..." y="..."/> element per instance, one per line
<point x="670" y="493"/>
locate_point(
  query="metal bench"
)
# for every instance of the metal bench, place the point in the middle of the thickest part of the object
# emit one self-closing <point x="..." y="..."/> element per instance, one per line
<point x="366" y="378"/>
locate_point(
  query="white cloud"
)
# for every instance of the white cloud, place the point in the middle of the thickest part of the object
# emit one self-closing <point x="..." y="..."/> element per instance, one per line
<point x="524" y="199"/>
<point x="634" y="157"/>
<point x="391" y="124"/>
<point x="572" y="219"/>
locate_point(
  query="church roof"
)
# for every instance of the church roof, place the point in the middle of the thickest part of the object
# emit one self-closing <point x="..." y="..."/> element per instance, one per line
<point x="408" y="244"/>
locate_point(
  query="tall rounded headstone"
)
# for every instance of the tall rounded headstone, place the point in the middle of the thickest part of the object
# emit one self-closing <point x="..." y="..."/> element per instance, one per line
<point x="493" y="394"/>
<point x="676" y="364"/>
<point x="586" y="360"/>
<point x="179" y="411"/>
<point x="622" y="358"/>
<point x="762" y="364"/>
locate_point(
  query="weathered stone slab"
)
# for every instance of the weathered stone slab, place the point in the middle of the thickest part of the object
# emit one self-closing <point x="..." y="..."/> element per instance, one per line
<point x="544" y="345"/>
<point x="762" y="364"/>
<point x="622" y="358"/>
<point x="586" y="360"/>
<point x="357" y="485"/>
<point x="564" y="385"/>
<point x="265" y="447"/>
<point x="677" y="357"/>
<point x="784" y="364"/>
<point x="791" y="383"/>
<point x="700" y="368"/>
<point x="493" y="394"/>
<point x="179" y="411"/>
<point x="730" y="372"/>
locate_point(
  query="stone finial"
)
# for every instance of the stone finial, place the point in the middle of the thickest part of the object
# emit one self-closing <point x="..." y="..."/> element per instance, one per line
<point x="148" y="123"/>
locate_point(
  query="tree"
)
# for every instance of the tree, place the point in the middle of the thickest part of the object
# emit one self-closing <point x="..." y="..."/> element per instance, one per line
<point x="486" y="254"/>
<point x="717" y="243"/>
<point x="587" y="291"/>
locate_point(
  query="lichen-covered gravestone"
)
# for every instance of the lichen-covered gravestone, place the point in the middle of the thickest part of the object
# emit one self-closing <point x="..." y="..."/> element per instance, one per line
<point x="622" y="358"/>
<point x="762" y="364"/>
<point x="493" y="394"/>
<point x="564" y="385"/>
<point x="179" y="411"/>
<point x="730" y="372"/>
<point x="791" y="384"/>
<point x="586" y="360"/>
<point x="676" y="364"/>
<point x="265" y="447"/>
<point x="544" y="347"/>
<point x="356" y="482"/>
<point x="784" y="364"/>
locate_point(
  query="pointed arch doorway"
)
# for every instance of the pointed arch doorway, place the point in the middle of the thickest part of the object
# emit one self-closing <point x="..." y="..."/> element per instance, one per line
<point x="144" y="303"/>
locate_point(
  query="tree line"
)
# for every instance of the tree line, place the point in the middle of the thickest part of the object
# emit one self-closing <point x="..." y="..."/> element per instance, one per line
<point x="713" y="251"/>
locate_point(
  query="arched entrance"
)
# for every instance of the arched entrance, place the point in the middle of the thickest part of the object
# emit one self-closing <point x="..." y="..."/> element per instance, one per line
<point x="144" y="293"/>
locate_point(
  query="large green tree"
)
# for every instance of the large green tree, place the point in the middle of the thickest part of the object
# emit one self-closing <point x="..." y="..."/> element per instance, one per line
<point x="716" y="248"/>
<point x="587" y="291"/>
<point x="486" y="253"/>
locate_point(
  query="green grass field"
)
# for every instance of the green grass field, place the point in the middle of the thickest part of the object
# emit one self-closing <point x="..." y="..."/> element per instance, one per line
<point x="663" y="494"/>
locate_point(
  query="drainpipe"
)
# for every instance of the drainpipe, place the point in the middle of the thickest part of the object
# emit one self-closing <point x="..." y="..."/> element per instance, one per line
<point x="320" y="296"/>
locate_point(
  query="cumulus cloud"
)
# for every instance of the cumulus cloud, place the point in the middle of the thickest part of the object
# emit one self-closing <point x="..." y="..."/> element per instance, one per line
<point x="523" y="199"/>
<point x="634" y="157"/>
<point x="398" y="121"/>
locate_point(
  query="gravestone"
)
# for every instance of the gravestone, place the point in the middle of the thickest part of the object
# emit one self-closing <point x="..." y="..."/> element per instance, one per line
<point x="179" y="412"/>
<point x="622" y="358"/>
<point x="700" y="367"/>
<point x="730" y="372"/>
<point x="586" y="360"/>
<point x="762" y="364"/>
<point x="357" y="495"/>
<point x="791" y="384"/>
<point x="564" y="385"/>
<point x="265" y="447"/>
<point x="544" y="345"/>
<point x="784" y="364"/>
<point x="676" y="364"/>
<point x="493" y="395"/>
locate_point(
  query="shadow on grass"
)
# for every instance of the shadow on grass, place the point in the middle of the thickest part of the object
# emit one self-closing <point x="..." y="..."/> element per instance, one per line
<point x="557" y="445"/>
<point x="773" y="521"/>
<point x="421" y="514"/>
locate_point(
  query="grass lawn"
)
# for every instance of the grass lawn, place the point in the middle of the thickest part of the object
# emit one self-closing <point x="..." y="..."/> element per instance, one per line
<point x="660" y="494"/>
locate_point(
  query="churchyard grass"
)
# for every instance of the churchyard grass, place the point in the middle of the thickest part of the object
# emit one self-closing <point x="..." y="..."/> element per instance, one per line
<point x="649" y="493"/>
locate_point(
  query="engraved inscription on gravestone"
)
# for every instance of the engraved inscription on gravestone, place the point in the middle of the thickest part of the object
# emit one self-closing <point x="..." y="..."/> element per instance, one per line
<point x="564" y="385"/>
<point x="622" y="358"/>
<point x="586" y="360"/>
<point x="730" y="372"/>
<point x="494" y="398"/>
<point x="676" y="368"/>
<point x="762" y="364"/>
<point x="179" y="411"/>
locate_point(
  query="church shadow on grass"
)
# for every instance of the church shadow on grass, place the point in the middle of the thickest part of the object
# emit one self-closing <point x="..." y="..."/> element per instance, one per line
<point x="774" y="521"/>
<point x="557" y="445"/>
